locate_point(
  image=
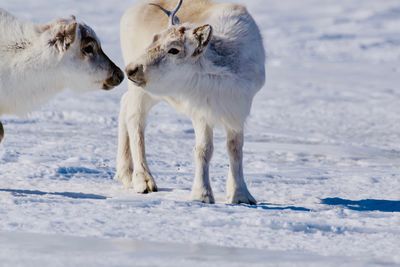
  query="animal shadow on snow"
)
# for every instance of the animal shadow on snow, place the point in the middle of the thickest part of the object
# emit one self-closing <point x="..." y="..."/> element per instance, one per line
<point x="74" y="195"/>
<point x="69" y="172"/>
<point x="364" y="205"/>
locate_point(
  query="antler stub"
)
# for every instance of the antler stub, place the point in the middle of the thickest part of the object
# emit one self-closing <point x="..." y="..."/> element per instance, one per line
<point x="173" y="19"/>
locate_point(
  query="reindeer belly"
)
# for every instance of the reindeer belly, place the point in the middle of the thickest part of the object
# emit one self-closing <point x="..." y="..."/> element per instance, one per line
<point x="226" y="110"/>
<point x="20" y="100"/>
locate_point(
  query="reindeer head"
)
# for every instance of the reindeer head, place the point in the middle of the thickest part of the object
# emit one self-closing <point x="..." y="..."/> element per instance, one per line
<point x="79" y="53"/>
<point x="171" y="56"/>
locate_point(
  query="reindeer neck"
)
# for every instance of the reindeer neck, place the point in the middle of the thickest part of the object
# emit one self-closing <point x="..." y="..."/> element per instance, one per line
<point x="221" y="57"/>
<point x="39" y="64"/>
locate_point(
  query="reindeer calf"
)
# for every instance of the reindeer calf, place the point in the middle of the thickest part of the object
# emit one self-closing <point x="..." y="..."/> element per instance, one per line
<point x="38" y="61"/>
<point x="209" y="63"/>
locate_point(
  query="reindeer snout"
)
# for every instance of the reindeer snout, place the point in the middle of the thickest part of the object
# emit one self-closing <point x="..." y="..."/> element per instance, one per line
<point x="116" y="79"/>
<point x="135" y="73"/>
<point x="118" y="76"/>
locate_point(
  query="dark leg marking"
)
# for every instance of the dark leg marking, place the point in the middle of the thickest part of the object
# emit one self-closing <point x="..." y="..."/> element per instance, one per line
<point x="1" y="131"/>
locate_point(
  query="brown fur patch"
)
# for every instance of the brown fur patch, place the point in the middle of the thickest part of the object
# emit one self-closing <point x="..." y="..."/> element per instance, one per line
<point x="203" y="35"/>
<point x="182" y="30"/>
<point x="65" y="37"/>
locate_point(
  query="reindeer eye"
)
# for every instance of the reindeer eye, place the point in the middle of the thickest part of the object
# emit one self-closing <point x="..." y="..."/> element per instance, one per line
<point x="173" y="51"/>
<point x="88" y="49"/>
<point x="155" y="38"/>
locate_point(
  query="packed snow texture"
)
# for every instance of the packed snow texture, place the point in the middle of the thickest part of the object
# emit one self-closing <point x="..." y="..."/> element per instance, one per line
<point x="322" y="154"/>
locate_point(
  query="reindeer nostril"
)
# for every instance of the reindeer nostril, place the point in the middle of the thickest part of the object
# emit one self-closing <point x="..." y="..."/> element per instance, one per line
<point x="119" y="76"/>
<point x="136" y="74"/>
<point x="133" y="72"/>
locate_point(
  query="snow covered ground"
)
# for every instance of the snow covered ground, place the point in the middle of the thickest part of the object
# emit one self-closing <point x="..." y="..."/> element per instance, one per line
<point x="322" y="155"/>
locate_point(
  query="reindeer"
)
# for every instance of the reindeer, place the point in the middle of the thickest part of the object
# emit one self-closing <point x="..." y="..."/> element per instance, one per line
<point x="207" y="63"/>
<point x="38" y="61"/>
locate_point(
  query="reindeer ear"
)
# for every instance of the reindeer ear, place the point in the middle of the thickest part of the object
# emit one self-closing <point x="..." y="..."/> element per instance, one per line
<point x="64" y="35"/>
<point x="203" y="35"/>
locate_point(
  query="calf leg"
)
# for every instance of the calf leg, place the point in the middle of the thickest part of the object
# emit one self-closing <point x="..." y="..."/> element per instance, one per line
<point x="124" y="157"/>
<point x="137" y="106"/>
<point x="142" y="180"/>
<point x="1" y="132"/>
<point x="203" y="151"/>
<point x="237" y="191"/>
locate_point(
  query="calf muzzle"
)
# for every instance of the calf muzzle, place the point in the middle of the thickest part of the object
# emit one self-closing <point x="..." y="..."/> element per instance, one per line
<point x="136" y="74"/>
<point x="116" y="79"/>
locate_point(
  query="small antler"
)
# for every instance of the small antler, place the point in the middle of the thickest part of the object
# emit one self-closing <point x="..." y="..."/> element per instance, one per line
<point x="173" y="19"/>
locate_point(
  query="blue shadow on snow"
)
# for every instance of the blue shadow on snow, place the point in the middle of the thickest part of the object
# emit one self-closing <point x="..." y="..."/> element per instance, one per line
<point x="74" y="195"/>
<point x="69" y="172"/>
<point x="269" y="206"/>
<point x="364" y="205"/>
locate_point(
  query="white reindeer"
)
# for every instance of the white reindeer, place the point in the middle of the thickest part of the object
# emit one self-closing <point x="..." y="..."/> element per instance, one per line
<point x="209" y="67"/>
<point x="38" y="61"/>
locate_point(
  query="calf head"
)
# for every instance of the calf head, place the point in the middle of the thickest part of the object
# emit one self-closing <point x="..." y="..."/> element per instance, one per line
<point x="79" y="53"/>
<point x="171" y="56"/>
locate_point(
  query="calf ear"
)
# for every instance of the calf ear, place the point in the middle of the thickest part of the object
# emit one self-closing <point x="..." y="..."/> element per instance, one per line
<point x="64" y="35"/>
<point x="203" y="35"/>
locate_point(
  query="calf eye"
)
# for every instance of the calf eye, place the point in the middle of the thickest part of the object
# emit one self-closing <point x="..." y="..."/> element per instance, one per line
<point x="173" y="51"/>
<point x="155" y="38"/>
<point x="88" y="49"/>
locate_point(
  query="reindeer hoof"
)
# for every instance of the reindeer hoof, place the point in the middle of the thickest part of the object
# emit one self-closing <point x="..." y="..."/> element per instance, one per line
<point x="125" y="178"/>
<point x="241" y="197"/>
<point x="143" y="183"/>
<point x="204" y="196"/>
<point x="1" y="132"/>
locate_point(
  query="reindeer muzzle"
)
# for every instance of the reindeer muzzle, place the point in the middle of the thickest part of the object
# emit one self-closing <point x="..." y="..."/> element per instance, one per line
<point x="136" y="74"/>
<point x="116" y="79"/>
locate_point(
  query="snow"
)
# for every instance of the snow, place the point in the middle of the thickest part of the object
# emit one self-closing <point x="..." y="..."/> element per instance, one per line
<point x="75" y="251"/>
<point x="322" y="155"/>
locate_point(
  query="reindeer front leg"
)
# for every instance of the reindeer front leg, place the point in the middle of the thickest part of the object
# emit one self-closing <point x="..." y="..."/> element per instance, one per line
<point x="1" y="132"/>
<point x="124" y="157"/>
<point x="237" y="191"/>
<point x="201" y="190"/>
<point x="142" y="180"/>
<point x="132" y="144"/>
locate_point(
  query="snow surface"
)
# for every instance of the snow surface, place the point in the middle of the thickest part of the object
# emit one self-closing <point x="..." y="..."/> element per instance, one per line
<point x="322" y="155"/>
